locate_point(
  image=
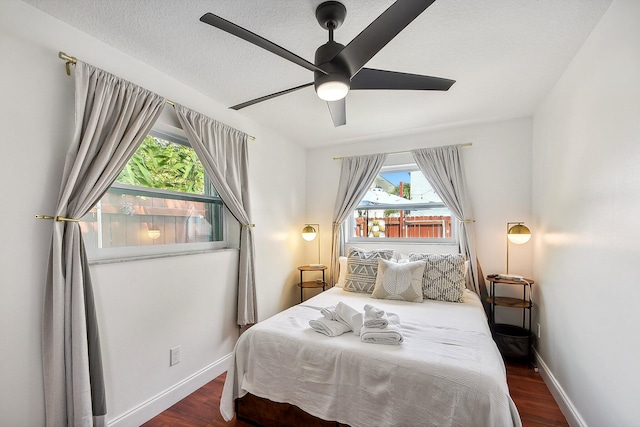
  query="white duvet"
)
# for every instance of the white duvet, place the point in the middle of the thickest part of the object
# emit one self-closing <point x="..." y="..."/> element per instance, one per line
<point x="447" y="372"/>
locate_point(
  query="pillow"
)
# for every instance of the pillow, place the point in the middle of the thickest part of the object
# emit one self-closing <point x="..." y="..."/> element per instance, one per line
<point x="342" y="268"/>
<point x="443" y="277"/>
<point x="400" y="281"/>
<point x="362" y="269"/>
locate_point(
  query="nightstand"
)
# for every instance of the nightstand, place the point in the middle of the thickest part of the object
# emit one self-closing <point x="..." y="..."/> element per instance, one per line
<point x="311" y="284"/>
<point x="512" y="340"/>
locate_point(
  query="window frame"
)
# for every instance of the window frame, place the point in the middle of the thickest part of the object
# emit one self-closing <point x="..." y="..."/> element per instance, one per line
<point x="406" y="167"/>
<point x="127" y="253"/>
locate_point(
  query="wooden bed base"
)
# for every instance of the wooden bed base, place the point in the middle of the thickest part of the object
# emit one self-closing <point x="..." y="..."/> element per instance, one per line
<point x="265" y="413"/>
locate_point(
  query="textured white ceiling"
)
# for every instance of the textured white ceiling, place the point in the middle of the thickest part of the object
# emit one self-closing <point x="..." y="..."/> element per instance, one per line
<point x="504" y="54"/>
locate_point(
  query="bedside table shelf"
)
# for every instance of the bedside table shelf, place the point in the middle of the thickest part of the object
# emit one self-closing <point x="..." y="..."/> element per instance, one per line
<point x="509" y="302"/>
<point x="311" y="284"/>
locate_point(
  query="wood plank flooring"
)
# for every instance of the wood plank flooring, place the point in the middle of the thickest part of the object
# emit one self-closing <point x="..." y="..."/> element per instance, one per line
<point x="536" y="405"/>
<point x="531" y="395"/>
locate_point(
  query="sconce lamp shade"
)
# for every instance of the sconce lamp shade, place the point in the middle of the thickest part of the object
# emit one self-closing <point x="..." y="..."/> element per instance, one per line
<point x="519" y="234"/>
<point x="309" y="233"/>
<point x="154" y="233"/>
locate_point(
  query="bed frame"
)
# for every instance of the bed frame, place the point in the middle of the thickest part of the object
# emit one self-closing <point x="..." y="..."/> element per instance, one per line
<point x="266" y="413"/>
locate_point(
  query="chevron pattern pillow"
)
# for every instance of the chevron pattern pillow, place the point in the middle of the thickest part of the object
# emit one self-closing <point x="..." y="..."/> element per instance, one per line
<point x="399" y="281"/>
<point x="362" y="268"/>
<point x="443" y="278"/>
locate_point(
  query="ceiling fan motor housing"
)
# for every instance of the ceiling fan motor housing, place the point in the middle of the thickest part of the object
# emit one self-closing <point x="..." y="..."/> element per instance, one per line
<point x="338" y="71"/>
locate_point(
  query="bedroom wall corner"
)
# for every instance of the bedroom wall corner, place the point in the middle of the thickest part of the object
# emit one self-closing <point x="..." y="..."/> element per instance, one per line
<point x="585" y="182"/>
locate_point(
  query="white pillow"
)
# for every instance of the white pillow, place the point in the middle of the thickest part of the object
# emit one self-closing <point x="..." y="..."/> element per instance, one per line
<point x="342" y="265"/>
<point x="399" y="281"/>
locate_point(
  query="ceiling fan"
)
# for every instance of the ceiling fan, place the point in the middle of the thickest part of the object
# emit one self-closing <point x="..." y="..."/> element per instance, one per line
<point x="338" y="68"/>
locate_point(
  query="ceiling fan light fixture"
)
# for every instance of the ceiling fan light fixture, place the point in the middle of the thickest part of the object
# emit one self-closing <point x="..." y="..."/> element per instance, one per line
<point x="332" y="91"/>
<point x="332" y="87"/>
<point x="336" y="64"/>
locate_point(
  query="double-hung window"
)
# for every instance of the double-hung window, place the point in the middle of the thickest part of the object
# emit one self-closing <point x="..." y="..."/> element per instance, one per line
<point x="401" y="205"/>
<point x="162" y="202"/>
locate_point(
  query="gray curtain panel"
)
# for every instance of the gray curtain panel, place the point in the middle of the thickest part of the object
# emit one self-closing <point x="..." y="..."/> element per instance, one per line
<point x="356" y="176"/>
<point x="112" y="118"/>
<point x="223" y="153"/>
<point x="444" y="169"/>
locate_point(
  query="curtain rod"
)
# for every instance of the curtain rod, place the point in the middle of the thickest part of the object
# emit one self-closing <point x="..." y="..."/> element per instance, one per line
<point x="71" y="60"/>
<point x="468" y="144"/>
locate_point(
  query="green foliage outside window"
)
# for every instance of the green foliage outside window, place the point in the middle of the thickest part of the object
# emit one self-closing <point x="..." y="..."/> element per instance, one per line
<point x="406" y="190"/>
<point x="166" y="165"/>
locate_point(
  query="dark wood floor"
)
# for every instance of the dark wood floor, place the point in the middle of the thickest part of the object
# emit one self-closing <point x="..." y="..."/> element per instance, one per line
<point x="532" y="397"/>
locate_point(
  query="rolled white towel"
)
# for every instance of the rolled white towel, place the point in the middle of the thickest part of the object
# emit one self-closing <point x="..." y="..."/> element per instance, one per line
<point x="374" y="317"/>
<point x="331" y="328"/>
<point x="373" y="311"/>
<point x="344" y="314"/>
<point x="329" y="312"/>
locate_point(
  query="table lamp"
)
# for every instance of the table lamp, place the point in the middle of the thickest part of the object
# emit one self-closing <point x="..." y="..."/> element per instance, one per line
<point x="309" y="233"/>
<point x="518" y="234"/>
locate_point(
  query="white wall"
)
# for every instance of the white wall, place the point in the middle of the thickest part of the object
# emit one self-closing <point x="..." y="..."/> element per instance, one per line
<point x="498" y="169"/>
<point x="586" y="209"/>
<point x="144" y="307"/>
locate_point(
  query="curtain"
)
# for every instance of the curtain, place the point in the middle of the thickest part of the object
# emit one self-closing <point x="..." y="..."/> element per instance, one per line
<point x="356" y="176"/>
<point x="112" y="118"/>
<point x="443" y="167"/>
<point x="223" y="153"/>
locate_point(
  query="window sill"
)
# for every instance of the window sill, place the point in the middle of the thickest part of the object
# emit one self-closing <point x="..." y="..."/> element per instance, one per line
<point x="113" y="260"/>
<point x="392" y="241"/>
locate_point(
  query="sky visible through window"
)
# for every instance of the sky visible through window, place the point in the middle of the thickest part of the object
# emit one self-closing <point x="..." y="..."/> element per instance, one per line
<point x="396" y="177"/>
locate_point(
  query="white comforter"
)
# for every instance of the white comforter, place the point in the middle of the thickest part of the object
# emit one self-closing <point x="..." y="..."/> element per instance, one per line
<point x="447" y="372"/>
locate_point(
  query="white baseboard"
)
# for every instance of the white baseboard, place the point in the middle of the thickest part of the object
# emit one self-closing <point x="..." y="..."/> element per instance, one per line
<point x="566" y="406"/>
<point x="152" y="407"/>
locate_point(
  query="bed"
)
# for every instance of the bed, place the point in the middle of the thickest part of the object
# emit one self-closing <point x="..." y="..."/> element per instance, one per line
<point x="446" y="372"/>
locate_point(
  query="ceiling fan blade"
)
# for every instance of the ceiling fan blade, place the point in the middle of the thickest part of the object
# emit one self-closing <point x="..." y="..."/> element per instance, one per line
<point x="369" y="78"/>
<point x="231" y="28"/>
<point x="273" y="95"/>
<point x="380" y="32"/>
<point x="338" y="110"/>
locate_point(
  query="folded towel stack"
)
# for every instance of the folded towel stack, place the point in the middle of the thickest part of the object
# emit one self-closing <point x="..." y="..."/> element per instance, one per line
<point x="374" y="317"/>
<point x="373" y="326"/>
<point x="331" y="328"/>
<point x="336" y="320"/>
<point x="391" y="334"/>
<point x="344" y="314"/>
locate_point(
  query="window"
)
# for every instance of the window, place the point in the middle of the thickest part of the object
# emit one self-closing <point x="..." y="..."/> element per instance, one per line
<point x="161" y="202"/>
<point x="401" y="205"/>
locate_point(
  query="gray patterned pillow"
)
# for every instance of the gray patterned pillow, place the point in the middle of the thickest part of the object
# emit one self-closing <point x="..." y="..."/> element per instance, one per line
<point x="399" y="281"/>
<point x="443" y="277"/>
<point x="362" y="269"/>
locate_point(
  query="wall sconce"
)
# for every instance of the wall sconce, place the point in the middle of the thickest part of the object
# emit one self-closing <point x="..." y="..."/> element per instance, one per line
<point x="309" y="233"/>
<point x="153" y="233"/>
<point x="518" y="234"/>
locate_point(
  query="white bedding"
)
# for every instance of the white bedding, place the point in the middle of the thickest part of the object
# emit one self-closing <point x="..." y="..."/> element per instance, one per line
<point x="447" y="372"/>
